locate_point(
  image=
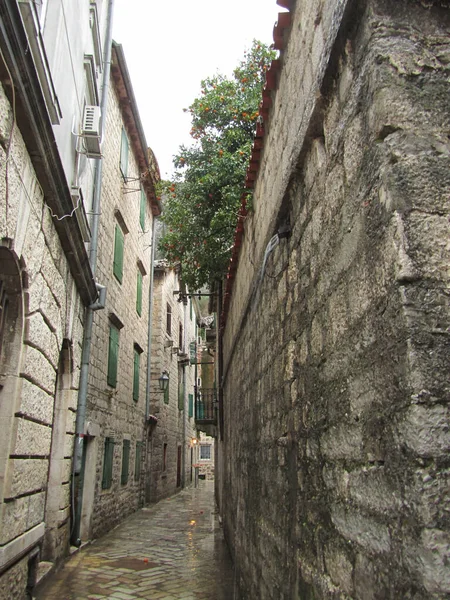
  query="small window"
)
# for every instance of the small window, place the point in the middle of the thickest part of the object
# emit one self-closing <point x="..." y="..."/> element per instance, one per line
<point x="124" y="154"/>
<point x="125" y="462"/>
<point x="113" y="355"/>
<point x="164" y="457"/>
<point x="136" y="369"/>
<point x="142" y="206"/>
<point x="139" y="293"/>
<point x="108" y="463"/>
<point x="191" y="405"/>
<point x="169" y="319"/>
<point x="205" y="452"/>
<point x="118" y="254"/>
<point x="137" y="462"/>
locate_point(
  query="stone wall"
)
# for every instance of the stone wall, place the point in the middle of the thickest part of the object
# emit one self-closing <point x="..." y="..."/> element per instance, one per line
<point x="112" y="412"/>
<point x="40" y="332"/>
<point x="336" y="433"/>
<point x="175" y="428"/>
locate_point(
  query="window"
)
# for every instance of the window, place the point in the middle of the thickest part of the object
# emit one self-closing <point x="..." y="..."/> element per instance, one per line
<point x="108" y="463"/>
<point x="113" y="355"/>
<point x="190" y="308"/>
<point x="191" y="405"/>
<point x="205" y="452"/>
<point x="136" y="368"/>
<point x="137" y="461"/>
<point x="166" y="393"/>
<point x="125" y="461"/>
<point x="164" y="465"/>
<point x="139" y="293"/>
<point x="118" y="254"/>
<point x="169" y="319"/>
<point x="124" y="154"/>
<point x="142" y="209"/>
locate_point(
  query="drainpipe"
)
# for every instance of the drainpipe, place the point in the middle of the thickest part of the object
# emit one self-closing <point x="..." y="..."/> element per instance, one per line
<point x="78" y="462"/>
<point x="150" y="324"/>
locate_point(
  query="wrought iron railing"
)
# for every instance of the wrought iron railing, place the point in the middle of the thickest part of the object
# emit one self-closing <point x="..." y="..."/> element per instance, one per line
<point x="206" y="405"/>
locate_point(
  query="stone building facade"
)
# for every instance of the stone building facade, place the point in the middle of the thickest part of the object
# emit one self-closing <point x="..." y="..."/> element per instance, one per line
<point x="117" y="398"/>
<point x="170" y="450"/>
<point x="335" y="478"/>
<point x="45" y="278"/>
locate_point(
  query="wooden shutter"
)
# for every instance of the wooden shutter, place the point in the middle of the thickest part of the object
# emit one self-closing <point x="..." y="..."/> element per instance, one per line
<point x="142" y="209"/>
<point x="166" y="393"/>
<point x="137" y="357"/>
<point x="118" y="254"/>
<point x="139" y="293"/>
<point x="108" y="463"/>
<point x="125" y="461"/>
<point x="124" y="154"/>
<point x="191" y="405"/>
<point x="113" y="356"/>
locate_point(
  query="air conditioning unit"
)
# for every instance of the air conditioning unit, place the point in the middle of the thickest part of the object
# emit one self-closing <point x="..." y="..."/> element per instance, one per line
<point x="90" y="132"/>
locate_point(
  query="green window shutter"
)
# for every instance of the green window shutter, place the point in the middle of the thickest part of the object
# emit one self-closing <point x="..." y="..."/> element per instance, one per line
<point x="142" y="209"/>
<point x="191" y="405"/>
<point x="108" y="463"/>
<point x="124" y="154"/>
<point x="118" y="254"/>
<point x="113" y="355"/>
<point x="137" y="462"/>
<point x="137" y="358"/>
<point x="181" y="394"/>
<point x="190" y="308"/>
<point x="139" y="293"/>
<point x="125" y="461"/>
<point x="166" y="393"/>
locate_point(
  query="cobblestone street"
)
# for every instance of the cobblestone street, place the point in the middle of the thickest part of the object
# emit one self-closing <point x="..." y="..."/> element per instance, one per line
<point x="174" y="549"/>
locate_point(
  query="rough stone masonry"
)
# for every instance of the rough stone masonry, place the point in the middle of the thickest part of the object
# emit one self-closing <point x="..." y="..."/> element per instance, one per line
<point x="336" y="348"/>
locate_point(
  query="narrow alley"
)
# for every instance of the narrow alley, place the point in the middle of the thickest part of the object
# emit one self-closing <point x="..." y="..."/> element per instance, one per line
<point x="172" y="550"/>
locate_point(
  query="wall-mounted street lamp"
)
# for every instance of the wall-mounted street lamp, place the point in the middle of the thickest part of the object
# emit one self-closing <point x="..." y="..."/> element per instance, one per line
<point x="163" y="381"/>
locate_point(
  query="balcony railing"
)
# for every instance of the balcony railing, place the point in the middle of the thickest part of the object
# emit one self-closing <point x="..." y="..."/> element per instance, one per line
<point x="206" y="406"/>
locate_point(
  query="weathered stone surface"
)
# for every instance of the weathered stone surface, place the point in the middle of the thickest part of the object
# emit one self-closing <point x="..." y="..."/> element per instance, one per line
<point x="36" y="403"/>
<point x="21" y="514"/>
<point x="32" y="438"/>
<point x="336" y="366"/>
<point x="28" y="475"/>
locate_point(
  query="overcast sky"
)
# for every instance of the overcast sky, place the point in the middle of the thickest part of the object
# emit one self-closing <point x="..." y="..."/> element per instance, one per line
<point x="171" y="45"/>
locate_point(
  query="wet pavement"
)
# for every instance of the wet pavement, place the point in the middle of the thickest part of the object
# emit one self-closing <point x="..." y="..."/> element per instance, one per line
<point x="172" y="550"/>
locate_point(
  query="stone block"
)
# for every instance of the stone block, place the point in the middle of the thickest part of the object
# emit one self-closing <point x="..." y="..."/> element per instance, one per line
<point x="361" y="529"/>
<point x="27" y="475"/>
<point x="42" y="338"/>
<point x="32" y="438"/>
<point x="343" y="442"/>
<point x="22" y="514"/>
<point x="425" y="430"/>
<point x="39" y="370"/>
<point x="429" y="558"/>
<point x="36" y="403"/>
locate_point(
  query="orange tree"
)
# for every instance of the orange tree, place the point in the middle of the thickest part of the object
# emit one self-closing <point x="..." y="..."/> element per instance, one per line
<point x="202" y="202"/>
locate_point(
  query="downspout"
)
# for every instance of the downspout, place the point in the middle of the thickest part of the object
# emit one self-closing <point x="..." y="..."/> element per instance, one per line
<point x="78" y="463"/>
<point x="150" y="323"/>
<point x="149" y="437"/>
